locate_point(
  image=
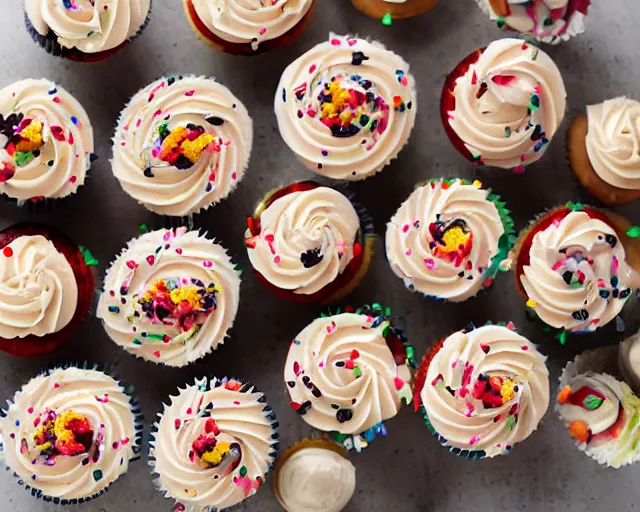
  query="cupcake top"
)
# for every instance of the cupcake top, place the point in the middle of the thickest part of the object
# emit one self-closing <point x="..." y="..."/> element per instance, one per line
<point x="613" y="141"/>
<point x="629" y="360"/>
<point x="485" y="390"/>
<point x="346" y="107"/>
<point x="38" y="289"/>
<point x="347" y="373"/>
<point x="46" y="141"/>
<point x="306" y="240"/>
<point x="170" y="297"/>
<point x="601" y="414"/>
<point x="577" y="277"/>
<point x="70" y="433"/>
<point x="315" y="479"/>
<point x="182" y="144"/>
<point x="507" y="105"/>
<point x="447" y="238"/>
<point x="89" y="26"/>
<point x="251" y="21"/>
<point x="549" y="21"/>
<point x="215" y="443"/>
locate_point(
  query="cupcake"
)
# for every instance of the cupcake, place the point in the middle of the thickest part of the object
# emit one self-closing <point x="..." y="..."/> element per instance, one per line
<point x="248" y="27"/>
<point x="599" y="410"/>
<point x="85" y="31"/>
<point x="46" y="141"/>
<point x="309" y="243"/>
<point x="394" y="9"/>
<point x="549" y="21"/>
<point x="629" y="361"/>
<point x="170" y="297"/>
<point x="46" y="289"/>
<point x="603" y="150"/>
<point x="69" y="434"/>
<point x="346" y="107"/>
<point x="502" y="105"/>
<point x="574" y="267"/>
<point x="482" y="390"/>
<point x="349" y="372"/>
<point x="214" y="444"/>
<point x="182" y="145"/>
<point x="314" y="475"/>
<point x="449" y="239"/>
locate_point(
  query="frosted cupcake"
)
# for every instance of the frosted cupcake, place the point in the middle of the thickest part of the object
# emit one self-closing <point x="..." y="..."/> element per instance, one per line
<point x="549" y="21"/>
<point x="603" y="150"/>
<point x="393" y="9"/>
<point x="346" y="107"/>
<point x="85" y="30"/>
<point x="214" y="444"/>
<point x="629" y="361"/>
<point x="348" y="373"/>
<point x="248" y="27"/>
<point x="170" y="297"/>
<point x="599" y="410"/>
<point x="449" y="239"/>
<point x="574" y="268"/>
<point x="46" y="289"/>
<point x="482" y="390"/>
<point x="182" y="145"/>
<point x="502" y="105"/>
<point x="70" y="433"/>
<point x="46" y="141"/>
<point x="309" y="243"/>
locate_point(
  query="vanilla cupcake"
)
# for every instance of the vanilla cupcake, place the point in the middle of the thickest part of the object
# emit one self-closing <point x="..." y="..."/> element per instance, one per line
<point x="348" y="373"/>
<point x="46" y="141"/>
<point x="629" y="361"/>
<point x="502" y="105"/>
<point x="182" y="145"/>
<point x="214" y="444"/>
<point x="170" y="297"/>
<point x="346" y="107"/>
<point x="449" y="239"/>
<point x="70" y="433"/>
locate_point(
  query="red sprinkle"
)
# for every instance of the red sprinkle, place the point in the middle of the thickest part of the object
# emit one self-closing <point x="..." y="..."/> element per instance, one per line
<point x="189" y="93"/>
<point x="30" y="410"/>
<point x="56" y="100"/>
<point x="525" y="347"/>
<point x="177" y="423"/>
<point x="157" y="353"/>
<point x="8" y="252"/>
<point x="235" y="402"/>
<point x="56" y="385"/>
<point x="151" y="259"/>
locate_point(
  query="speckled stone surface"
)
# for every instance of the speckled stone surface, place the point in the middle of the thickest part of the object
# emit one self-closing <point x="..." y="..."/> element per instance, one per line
<point x="408" y="471"/>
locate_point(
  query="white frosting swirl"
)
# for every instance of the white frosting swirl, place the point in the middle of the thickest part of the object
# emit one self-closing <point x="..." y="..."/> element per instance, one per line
<point x="242" y="418"/>
<point x="342" y="376"/>
<point x="170" y="105"/>
<point x="300" y="229"/>
<point x="251" y="21"/>
<point x="456" y="394"/>
<point x="578" y="275"/>
<point x="370" y="119"/>
<point x="509" y="104"/>
<point x="102" y="401"/>
<point x="613" y="141"/>
<point x="315" y="480"/>
<point x="190" y="261"/>
<point x="418" y="258"/>
<point x="91" y="26"/>
<point x="46" y="141"/>
<point x="38" y="290"/>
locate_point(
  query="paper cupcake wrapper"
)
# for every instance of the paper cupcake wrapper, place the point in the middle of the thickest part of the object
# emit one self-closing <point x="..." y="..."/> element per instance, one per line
<point x="210" y="384"/>
<point x="50" y="44"/>
<point x="136" y="442"/>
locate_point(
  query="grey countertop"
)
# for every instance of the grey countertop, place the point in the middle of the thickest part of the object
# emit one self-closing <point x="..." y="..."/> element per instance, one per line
<point x="407" y="471"/>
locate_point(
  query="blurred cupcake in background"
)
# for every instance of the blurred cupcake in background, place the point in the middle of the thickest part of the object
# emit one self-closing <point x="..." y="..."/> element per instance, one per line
<point x="482" y="390"/>
<point x="86" y="31"/>
<point x="248" y="27"/>
<point x="310" y="243"/>
<point x="502" y="105"/>
<point x="46" y="141"/>
<point x="449" y="239"/>
<point x="346" y="107"/>
<point x="629" y="361"/>
<point x="389" y="10"/>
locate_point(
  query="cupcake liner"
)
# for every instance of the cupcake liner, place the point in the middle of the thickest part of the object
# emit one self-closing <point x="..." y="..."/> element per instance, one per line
<point x="136" y="442"/>
<point x="357" y="268"/>
<point x="50" y="44"/>
<point x="205" y="383"/>
<point x="393" y="10"/>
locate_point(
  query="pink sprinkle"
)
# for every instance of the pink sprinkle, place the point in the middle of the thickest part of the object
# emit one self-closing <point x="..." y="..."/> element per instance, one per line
<point x="351" y="42"/>
<point x="523" y="157"/>
<point x="404" y="81"/>
<point x="601" y="283"/>
<point x="557" y="264"/>
<point x="262" y="31"/>
<point x="474" y="78"/>
<point x="313" y="68"/>
<point x="504" y="80"/>
<point x="463" y="392"/>
<point x="179" y="250"/>
<point x="156" y="353"/>
<point x="73" y="179"/>
<point x="466" y="374"/>
<point x="151" y="259"/>
<point x="408" y="253"/>
<point x="276" y="260"/>
<point x="296" y="368"/>
<point x="430" y="263"/>
<point x="177" y="423"/>
<point x="399" y="383"/>
<point x="511" y="326"/>
<point x="537" y="89"/>
<point x="190" y="93"/>
<point x="30" y="410"/>
<point x="132" y="264"/>
<point x="189" y="411"/>
<point x="405" y="228"/>
<point x="56" y="100"/>
<point x="56" y="385"/>
<point x="138" y="123"/>
<point x="115" y="445"/>
<point x="321" y="364"/>
<point x="470" y="409"/>
<point x="234" y="176"/>
<point x="335" y="42"/>
<point x="269" y="238"/>
<point x="207" y="264"/>
<point x="518" y="170"/>
<point x="235" y="402"/>
<point x="166" y="236"/>
<point x="125" y="441"/>
<point x="454" y="364"/>
<point x="157" y="113"/>
<point x="614" y="266"/>
<point x="525" y="347"/>
<point x="474" y="439"/>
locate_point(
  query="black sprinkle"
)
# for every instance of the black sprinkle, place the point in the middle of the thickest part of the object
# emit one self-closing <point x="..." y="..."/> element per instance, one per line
<point x="291" y="384"/>
<point x="583" y="314"/>
<point x="335" y="406"/>
<point x="611" y="240"/>
<point x="215" y="121"/>
<point x="311" y="258"/>
<point x="344" y="415"/>
<point x="304" y="408"/>
<point x="567" y="276"/>
<point x="358" y="58"/>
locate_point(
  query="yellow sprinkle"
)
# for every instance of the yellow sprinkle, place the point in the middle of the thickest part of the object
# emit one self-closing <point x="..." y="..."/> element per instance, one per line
<point x="215" y="456"/>
<point x="186" y="293"/>
<point x="61" y="426"/>
<point x="192" y="150"/>
<point x="454" y="238"/>
<point x="531" y="303"/>
<point x="506" y="390"/>
<point x="31" y="137"/>
<point x="477" y="184"/>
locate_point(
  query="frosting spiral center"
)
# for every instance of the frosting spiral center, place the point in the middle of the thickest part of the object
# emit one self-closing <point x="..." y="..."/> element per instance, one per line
<point x="68" y="433"/>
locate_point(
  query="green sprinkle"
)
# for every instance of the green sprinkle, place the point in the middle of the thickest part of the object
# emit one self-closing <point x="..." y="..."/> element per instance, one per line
<point x="89" y="258"/>
<point x="357" y="372"/>
<point x="507" y="132"/>
<point x="534" y="104"/>
<point x="634" y="232"/>
<point x="376" y="307"/>
<point x="410" y="352"/>
<point x="562" y="336"/>
<point x="387" y="312"/>
<point x="337" y="436"/>
<point x="501" y="22"/>
<point x="155" y="337"/>
<point x="114" y="309"/>
<point x="387" y="20"/>
<point x="97" y="475"/>
<point x="23" y="158"/>
<point x="576" y="207"/>
<point x="136" y="342"/>
<point x="592" y="402"/>
<point x="143" y="228"/>
<point x="511" y="422"/>
<point x="243" y="471"/>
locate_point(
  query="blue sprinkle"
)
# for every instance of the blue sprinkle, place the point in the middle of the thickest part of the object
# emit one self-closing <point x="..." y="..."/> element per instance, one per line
<point x="17" y="423"/>
<point x="284" y="95"/>
<point x="296" y="342"/>
<point x="53" y="90"/>
<point x="74" y="120"/>
<point x="209" y="187"/>
<point x="114" y="309"/>
<point x="325" y="152"/>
